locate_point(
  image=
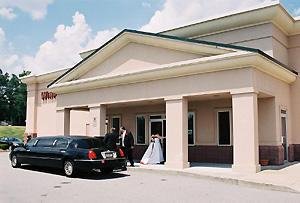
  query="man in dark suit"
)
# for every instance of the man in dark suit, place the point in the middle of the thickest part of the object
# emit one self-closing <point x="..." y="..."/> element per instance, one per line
<point x="126" y="144"/>
<point x="111" y="139"/>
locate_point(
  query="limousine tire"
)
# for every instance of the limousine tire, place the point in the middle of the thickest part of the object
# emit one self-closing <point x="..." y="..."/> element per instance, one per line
<point x="14" y="161"/>
<point x="106" y="170"/>
<point x="69" y="168"/>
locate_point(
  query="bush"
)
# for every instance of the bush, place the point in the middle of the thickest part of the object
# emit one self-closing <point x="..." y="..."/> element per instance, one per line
<point x="4" y="146"/>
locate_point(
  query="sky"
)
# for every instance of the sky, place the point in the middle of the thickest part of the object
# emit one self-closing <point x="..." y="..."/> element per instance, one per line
<point x="46" y="35"/>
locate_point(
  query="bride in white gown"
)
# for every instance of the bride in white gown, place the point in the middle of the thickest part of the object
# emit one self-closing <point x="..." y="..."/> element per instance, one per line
<point x="154" y="153"/>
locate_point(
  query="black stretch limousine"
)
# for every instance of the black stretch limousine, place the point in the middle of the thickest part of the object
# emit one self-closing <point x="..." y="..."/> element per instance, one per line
<point x="71" y="153"/>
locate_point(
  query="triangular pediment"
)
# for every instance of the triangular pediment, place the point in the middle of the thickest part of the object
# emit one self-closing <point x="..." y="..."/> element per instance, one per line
<point x="136" y="56"/>
<point x="134" y="50"/>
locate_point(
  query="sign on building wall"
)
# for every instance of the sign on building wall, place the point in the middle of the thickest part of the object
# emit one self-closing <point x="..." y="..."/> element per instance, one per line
<point x="48" y="95"/>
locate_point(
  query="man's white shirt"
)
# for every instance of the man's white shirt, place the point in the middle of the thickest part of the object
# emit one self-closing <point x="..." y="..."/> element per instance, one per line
<point x="123" y="138"/>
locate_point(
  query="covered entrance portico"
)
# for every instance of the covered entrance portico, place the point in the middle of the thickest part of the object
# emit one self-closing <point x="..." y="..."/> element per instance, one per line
<point x="170" y="115"/>
<point x="251" y="118"/>
<point x="241" y="119"/>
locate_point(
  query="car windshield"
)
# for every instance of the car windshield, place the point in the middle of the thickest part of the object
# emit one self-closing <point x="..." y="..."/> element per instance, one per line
<point x="90" y="143"/>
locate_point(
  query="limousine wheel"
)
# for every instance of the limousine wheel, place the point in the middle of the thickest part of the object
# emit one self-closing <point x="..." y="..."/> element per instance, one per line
<point x="69" y="168"/>
<point x="107" y="170"/>
<point x="14" y="161"/>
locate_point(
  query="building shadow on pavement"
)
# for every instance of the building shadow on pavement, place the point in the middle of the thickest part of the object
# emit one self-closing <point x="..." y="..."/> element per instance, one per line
<point x="89" y="175"/>
<point x="216" y="165"/>
<point x="285" y="165"/>
<point x="263" y="168"/>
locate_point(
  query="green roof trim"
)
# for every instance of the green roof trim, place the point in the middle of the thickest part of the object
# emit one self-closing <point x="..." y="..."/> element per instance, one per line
<point x="179" y="39"/>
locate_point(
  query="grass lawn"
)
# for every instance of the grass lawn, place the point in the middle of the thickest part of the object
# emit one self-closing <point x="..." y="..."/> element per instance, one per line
<point x="12" y="131"/>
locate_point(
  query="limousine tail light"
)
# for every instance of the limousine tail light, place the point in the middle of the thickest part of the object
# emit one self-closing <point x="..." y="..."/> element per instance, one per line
<point x="121" y="153"/>
<point x="92" y="155"/>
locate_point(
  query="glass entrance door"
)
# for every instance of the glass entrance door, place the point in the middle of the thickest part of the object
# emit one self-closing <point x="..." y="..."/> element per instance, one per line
<point x="284" y="133"/>
<point x="157" y="124"/>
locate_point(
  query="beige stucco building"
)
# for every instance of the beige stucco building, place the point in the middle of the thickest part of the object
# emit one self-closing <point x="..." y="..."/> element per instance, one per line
<point x="224" y="90"/>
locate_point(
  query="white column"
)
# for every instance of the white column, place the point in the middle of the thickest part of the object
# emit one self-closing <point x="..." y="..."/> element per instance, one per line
<point x="67" y="120"/>
<point x="63" y="122"/>
<point x="177" y="133"/>
<point x="97" y="120"/>
<point x="245" y="133"/>
<point x="31" y="112"/>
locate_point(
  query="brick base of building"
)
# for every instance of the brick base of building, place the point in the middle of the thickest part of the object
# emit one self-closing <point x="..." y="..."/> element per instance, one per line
<point x="211" y="154"/>
<point x="224" y="154"/>
<point x="275" y="154"/>
<point x="294" y="152"/>
<point x="139" y="151"/>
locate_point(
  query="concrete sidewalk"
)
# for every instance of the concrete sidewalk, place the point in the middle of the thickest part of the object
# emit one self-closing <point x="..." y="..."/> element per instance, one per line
<point x="282" y="178"/>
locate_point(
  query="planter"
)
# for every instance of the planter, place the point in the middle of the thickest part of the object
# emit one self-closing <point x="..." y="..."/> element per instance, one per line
<point x="264" y="162"/>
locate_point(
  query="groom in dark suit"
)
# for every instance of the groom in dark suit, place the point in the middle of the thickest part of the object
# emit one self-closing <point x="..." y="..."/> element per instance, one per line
<point x="126" y="144"/>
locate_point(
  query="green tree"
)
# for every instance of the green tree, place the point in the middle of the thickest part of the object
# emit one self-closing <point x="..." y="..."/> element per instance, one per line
<point x="12" y="87"/>
<point x="13" y="95"/>
<point x="21" y="100"/>
<point x="4" y="104"/>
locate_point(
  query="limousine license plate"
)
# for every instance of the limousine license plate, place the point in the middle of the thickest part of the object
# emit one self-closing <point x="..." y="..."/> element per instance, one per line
<point x="109" y="155"/>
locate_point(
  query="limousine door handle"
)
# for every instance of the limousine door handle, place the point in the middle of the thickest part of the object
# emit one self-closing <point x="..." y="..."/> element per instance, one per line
<point x="28" y="150"/>
<point x="63" y="151"/>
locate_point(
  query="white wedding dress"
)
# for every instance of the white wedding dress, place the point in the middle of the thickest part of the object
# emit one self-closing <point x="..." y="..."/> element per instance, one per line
<point x="153" y="154"/>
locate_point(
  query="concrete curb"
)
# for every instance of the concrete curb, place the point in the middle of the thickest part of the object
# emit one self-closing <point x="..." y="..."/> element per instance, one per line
<point x="220" y="179"/>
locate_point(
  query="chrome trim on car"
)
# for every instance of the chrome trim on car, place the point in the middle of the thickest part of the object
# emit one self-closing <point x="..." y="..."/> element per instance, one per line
<point x="99" y="160"/>
<point x="37" y="157"/>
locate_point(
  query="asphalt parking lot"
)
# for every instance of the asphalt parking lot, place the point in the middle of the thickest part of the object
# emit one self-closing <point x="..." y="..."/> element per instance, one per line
<point x="38" y="184"/>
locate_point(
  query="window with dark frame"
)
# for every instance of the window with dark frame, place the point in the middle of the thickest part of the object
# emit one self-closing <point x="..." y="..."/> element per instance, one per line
<point x="140" y="129"/>
<point x="61" y="143"/>
<point x="224" y="131"/>
<point x="191" y="128"/>
<point x="45" y="142"/>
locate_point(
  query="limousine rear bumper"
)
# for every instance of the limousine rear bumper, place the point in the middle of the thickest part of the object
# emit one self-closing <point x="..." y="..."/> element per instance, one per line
<point x="99" y="164"/>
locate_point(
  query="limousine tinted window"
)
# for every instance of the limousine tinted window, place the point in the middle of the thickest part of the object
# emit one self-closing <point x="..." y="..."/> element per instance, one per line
<point x="61" y="143"/>
<point x="45" y="142"/>
<point x="31" y="142"/>
<point x="90" y="143"/>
